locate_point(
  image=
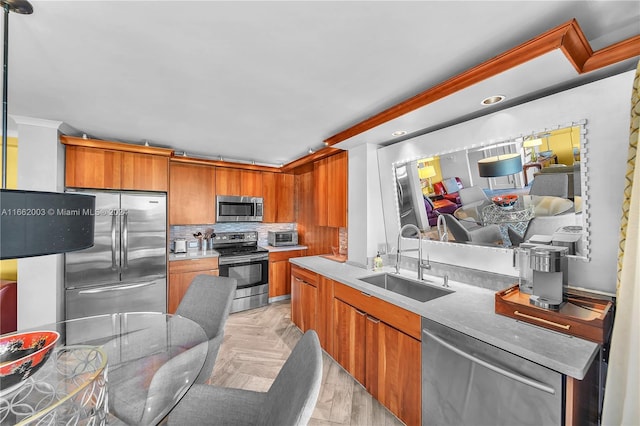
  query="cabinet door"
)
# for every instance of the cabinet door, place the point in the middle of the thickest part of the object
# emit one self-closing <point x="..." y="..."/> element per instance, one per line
<point x="145" y="172"/>
<point x="228" y="181"/>
<point x="279" y="274"/>
<point x="270" y="198"/>
<point x="337" y="170"/>
<point x="304" y="297"/>
<point x="321" y="193"/>
<point x="285" y="209"/>
<point x="191" y="194"/>
<point x="250" y="183"/>
<point x="325" y="314"/>
<point x="179" y="283"/>
<point x="399" y="373"/>
<point x="349" y="339"/>
<point x="92" y="168"/>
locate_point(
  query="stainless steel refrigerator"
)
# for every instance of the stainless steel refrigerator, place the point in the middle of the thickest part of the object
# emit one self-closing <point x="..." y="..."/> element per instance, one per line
<point x="126" y="269"/>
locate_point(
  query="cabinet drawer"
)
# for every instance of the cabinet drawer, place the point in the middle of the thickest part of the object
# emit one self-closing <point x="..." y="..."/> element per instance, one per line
<point x="305" y="275"/>
<point x="276" y="256"/>
<point x="193" y="265"/>
<point x="397" y="317"/>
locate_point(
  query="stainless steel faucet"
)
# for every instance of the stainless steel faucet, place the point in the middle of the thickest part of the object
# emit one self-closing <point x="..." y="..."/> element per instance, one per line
<point x="421" y="265"/>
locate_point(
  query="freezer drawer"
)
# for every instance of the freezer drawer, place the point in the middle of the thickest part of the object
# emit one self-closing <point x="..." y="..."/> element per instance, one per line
<point x="142" y="296"/>
<point x="468" y="382"/>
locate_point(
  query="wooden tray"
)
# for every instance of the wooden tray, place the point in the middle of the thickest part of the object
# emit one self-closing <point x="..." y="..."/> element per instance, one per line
<point x="582" y="316"/>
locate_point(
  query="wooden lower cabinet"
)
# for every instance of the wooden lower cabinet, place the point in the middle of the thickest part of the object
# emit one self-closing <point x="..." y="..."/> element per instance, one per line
<point x="280" y="271"/>
<point x="386" y="361"/>
<point x="182" y="272"/>
<point x="304" y="298"/>
<point x="373" y="340"/>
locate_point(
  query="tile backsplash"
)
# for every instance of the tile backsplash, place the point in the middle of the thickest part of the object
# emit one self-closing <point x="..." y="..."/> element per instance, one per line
<point x="187" y="231"/>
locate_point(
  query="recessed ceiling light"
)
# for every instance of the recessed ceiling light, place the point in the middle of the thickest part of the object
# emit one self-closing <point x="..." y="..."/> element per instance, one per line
<point x="493" y="100"/>
<point x="399" y="133"/>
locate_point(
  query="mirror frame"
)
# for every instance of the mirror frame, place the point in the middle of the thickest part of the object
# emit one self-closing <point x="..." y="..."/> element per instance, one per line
<point x="582" y="124"/>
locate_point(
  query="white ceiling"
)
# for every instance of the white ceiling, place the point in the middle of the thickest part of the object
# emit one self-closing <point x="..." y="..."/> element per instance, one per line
<point x="264" y="81"/>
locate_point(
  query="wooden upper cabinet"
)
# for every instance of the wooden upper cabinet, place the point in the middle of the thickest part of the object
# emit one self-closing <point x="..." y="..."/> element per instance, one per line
<point x="330" y="190"/>
<point x="250" y="183"/>
<point x="320" y="192"/>
<point x="92" y="163"/>
<point x="337" y="174"/>
<point x="144" y="171"/>
<point x="278" y="194"/>
<point x="227" y="181"/>
<point x="191" y="194"/>
<point x="93" y="168"/>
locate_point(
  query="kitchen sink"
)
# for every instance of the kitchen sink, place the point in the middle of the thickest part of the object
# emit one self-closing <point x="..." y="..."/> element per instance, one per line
<point x="407" y="287"/>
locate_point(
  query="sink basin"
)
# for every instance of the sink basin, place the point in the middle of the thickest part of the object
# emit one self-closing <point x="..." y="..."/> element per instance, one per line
<point x="410" y="288"/>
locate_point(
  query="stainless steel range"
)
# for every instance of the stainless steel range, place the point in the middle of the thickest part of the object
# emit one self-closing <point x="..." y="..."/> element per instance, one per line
<point x="242" y="259"/>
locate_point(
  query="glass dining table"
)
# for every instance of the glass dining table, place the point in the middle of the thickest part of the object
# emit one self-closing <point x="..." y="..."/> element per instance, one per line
<point x="125" y="368"/>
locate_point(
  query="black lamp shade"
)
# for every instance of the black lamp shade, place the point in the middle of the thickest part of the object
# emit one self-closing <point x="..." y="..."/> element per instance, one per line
<point x="34" y="223"/>
<point x="501" y="165"/>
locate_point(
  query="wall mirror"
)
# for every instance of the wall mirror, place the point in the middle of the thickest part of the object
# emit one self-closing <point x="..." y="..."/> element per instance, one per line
<point x="531" y="188"/>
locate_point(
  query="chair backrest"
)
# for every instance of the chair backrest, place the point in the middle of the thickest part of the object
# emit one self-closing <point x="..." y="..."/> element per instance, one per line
<point x="472" y="194"/>
<point x="459" y="232"/>
<point x="294" y="393"/>
<point x="553" y="184"/>
<point x="208" y="302"/>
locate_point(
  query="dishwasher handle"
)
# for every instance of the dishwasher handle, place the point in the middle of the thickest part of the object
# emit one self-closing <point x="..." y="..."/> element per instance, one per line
<point x="519" y="378"/>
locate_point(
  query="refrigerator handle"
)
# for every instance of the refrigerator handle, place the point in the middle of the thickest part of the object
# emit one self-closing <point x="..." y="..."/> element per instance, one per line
<point x="114" y="266"/>
<point x="116" y="288"/>
<point x="125" y="241"/>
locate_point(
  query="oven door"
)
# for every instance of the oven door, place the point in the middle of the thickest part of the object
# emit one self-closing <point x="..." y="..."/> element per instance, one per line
<point x="253" y="280"/>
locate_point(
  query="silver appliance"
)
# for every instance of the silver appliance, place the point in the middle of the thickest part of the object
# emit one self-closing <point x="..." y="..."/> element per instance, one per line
<point x="282" y="238"/>
<point x="549" y="266"/>
<point x="126" y="269"/>
<point x="468" y="382"/>
<point x="231" y="208"/>
<point x="242" y="259"/>
<point x="410" y="198"/>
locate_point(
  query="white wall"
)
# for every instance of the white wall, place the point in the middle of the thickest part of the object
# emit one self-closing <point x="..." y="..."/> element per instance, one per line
<point x="605" y="105"/>
<point x="366" y="224"/>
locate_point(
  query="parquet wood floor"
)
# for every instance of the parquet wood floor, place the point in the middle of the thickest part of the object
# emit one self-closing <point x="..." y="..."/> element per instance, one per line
<point x="257" y="343"/>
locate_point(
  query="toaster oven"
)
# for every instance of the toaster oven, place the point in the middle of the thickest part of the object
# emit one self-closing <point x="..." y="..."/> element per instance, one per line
<point x="282" y="238"/>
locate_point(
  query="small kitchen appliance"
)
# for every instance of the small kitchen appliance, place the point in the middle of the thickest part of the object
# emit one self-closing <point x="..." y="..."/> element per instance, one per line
<point x="549" y="266"/>
<point x="179" y="245"/>
<point x="282" y="238"/>
<point x="231" y="208"/>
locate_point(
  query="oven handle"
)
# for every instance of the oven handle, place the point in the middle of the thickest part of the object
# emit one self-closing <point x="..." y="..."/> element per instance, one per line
<point x="242" y="259"/>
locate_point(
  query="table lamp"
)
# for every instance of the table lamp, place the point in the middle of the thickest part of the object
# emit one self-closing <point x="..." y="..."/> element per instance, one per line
<point x="532" y="143"/>
<point x="427" y="172"/>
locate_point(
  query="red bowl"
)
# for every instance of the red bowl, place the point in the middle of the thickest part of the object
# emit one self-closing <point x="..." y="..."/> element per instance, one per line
<point x="505" y="201"/>
<point x="22" y="354"/>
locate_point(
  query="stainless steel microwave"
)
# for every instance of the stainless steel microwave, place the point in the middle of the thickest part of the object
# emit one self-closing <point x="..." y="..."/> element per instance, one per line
<point x="282" y="238"/>
<point x="231" y="208"/>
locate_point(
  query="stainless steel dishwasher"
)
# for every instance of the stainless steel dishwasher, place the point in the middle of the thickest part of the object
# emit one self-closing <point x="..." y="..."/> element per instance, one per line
<point x="468" y="382"/>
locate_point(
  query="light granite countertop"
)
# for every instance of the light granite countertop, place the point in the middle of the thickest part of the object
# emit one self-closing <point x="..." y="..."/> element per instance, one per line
<point x="273" y="249"/>
<point x="193" y="254"/>
<point x="471" y="310"/>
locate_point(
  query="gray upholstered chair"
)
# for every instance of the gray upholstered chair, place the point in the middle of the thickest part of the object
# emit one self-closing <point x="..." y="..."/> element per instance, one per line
<point x="542" y="225"/>
<point x="481" y="235"/>
<point x="473" y="195"/>
<point x="553" y="184"/>
<point x="208" y="302"/>
<point x="289" y="401"/>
